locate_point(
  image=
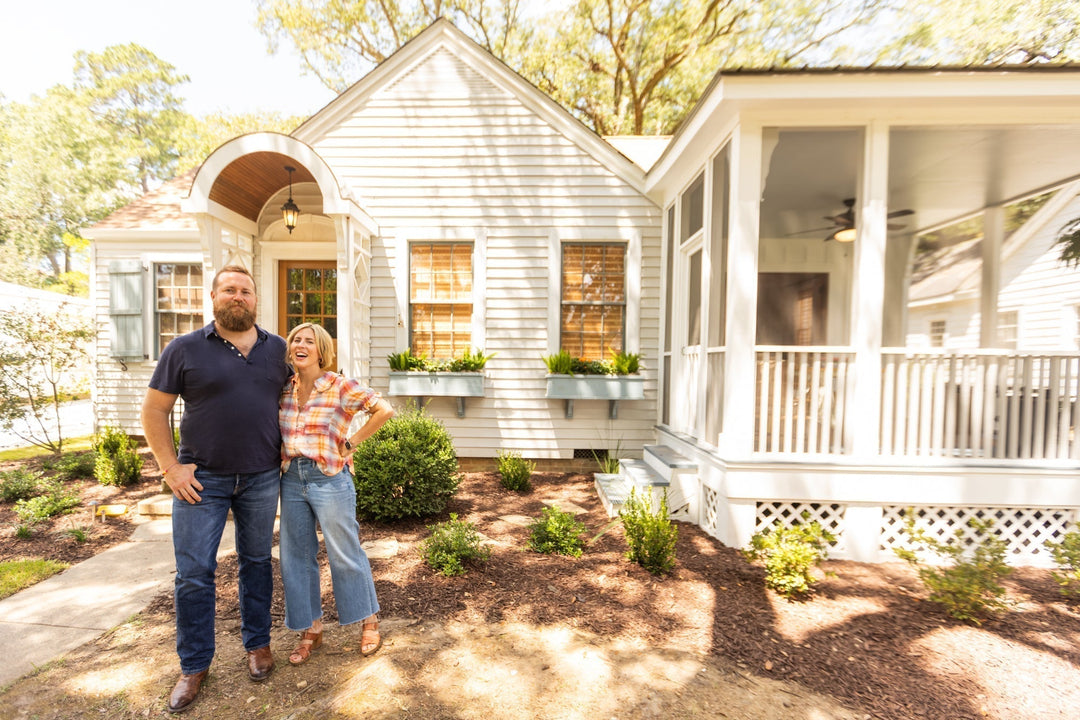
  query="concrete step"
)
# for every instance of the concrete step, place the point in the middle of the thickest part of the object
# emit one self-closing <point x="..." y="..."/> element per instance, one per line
<point x="668" y="461"/>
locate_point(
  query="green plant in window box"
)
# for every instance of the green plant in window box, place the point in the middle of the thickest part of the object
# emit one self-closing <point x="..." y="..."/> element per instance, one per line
<point x="621" y="363"/>
<point x="470" y="361"/>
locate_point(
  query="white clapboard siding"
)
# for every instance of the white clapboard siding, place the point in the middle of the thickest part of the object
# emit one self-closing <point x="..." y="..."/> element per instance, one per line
<point x="442" y="152"/>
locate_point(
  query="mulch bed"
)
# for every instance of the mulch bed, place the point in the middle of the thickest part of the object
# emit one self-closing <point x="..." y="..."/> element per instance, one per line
<point x="868" y="637"/>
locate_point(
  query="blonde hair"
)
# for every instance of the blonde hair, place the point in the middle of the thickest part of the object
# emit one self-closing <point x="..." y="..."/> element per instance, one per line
<point x="324" y="344"/>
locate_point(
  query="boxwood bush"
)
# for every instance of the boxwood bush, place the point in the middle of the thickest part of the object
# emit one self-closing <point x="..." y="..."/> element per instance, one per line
<point x="407" y="469"/>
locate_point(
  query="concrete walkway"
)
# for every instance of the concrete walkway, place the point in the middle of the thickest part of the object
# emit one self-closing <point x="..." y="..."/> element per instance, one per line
<point x="46" y="620"/>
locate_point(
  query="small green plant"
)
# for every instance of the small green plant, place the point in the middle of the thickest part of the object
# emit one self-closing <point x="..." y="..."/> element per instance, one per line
<point x="452" y="545"/>
<point x="72" y="465"/>
<point x="788" y="553"/>
<point x="556" y="532"/>
<point x="624" y="363"/>
<point x="470" y="361"/>
<point x="515" y="471"/>
<point x="406" y="469"/>
<point x="405" y="361"/>
<point x="968" y="588"/>
<point x="609" y="460"/>
<point x="116" y="461"/>
<point x="54" y="501"/>
<point x="78" y="534"/>
<point x="650" y="535"/>
<point x="1066" y="556"/>
<point x="20" y="484"/>
<point x="561" y="363"/>
<point x="24" y="531"/>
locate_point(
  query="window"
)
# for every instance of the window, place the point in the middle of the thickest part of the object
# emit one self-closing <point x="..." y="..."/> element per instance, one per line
<point x="937" y="333"/>
<point x="440" y="299"/>
<point x="593" y="299"/>
<point x="178" y="306"/>
<point x="1009" y="329"/>
<point x="693" y="209"/>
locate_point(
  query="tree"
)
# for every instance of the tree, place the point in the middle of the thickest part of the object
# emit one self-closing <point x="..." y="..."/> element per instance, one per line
<point x="202" y="135"/>
<point x="131" y="91"/>
<point x="622" y="66"/>
<point x="41" y="355"/>
<point x="339" y="40"/>
<point x="985" y="32"/>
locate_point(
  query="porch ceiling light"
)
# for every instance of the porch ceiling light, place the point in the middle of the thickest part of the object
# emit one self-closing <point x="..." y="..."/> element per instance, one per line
<point x="844" y="235"/>
<point x="289" y="210"/>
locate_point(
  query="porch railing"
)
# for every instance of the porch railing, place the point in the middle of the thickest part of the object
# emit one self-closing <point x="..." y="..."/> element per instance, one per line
<point x="980" y="404"/>
<point x="802" y="395"/>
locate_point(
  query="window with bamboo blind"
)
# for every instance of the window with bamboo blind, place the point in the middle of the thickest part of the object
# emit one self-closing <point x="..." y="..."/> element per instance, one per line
<point x="178" y="305"/>
<point x="440" y="299"/>
<point x="593" y="299"/>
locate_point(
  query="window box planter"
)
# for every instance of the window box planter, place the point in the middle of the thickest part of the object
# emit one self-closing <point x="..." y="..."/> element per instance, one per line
<point x="595" y="387"/>
<point x="438" y="384"/>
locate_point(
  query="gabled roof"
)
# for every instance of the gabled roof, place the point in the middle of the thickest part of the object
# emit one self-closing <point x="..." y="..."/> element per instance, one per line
<point x="442" y="34"/>
<point x="158" y="209"/>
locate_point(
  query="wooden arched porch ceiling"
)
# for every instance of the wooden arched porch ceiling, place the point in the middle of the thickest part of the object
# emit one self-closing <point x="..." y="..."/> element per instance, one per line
<point x="248" y="182"/>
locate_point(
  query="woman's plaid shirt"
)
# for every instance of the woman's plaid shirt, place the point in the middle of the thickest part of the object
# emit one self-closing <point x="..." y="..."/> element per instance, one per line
<point x="319" y="429"/>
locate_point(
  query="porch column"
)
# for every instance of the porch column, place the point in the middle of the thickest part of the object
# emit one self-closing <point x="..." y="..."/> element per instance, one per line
<point x="345" y="295"/>
<point x="993" y="235"/>
<point x="740" y="361"/>
<point x="867" y="298"/>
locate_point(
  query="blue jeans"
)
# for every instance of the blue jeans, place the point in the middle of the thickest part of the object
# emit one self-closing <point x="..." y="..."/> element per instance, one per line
<point x="307" y="496"/>
<point x="197" y="529"/>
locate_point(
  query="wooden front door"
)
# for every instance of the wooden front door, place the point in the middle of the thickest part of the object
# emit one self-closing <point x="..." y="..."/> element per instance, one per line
<point x="308" y="294"/>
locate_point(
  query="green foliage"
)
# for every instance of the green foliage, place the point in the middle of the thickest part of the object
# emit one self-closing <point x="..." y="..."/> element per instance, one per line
<point x="78" y="534"/>
<point x="515" y="471"/>
<point x="1068" y="243"/>
<point x="72" y="465"/>
<point x="116" y="461"/>
<point x="788" y="553"/>
<point x="43" y="352"/>
<point x="23" y="531"/>
<point x="406" y="469"/>
<point x="650" y="535"/>
<point x="18" y="574"/>
<point x="452" y="545"/>
<point x="470" y="361"/>
<point x="609" y="461"/>
<point x="1066" y="556"/>
<point x="556" y="531"/>
<point x="966" y="586"/>
<point x="20" y="484"/>
<point x="53" y="501"/>
<point x="563" y="363"/>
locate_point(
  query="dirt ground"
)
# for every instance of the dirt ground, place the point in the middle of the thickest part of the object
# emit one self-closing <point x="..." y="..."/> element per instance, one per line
<point x="534" y="636"/>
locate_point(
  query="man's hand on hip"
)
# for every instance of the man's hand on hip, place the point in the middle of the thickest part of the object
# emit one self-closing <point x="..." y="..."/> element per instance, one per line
<point x="181" y="480"/>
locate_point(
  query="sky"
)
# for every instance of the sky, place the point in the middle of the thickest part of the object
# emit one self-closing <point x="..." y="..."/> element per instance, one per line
<point x="214" y="42"/>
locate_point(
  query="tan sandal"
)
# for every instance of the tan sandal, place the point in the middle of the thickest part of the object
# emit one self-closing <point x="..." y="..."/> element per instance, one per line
<point x="369" y="630"/>
<point x="309" y="643"/>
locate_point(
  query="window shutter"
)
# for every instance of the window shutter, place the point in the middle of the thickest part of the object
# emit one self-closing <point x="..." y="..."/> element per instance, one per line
<point x="126" y="310"/>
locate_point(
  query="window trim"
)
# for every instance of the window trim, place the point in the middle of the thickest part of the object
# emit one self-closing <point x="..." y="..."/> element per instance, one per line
<point x="155" y="314"/>
<point x="474" y="342"/>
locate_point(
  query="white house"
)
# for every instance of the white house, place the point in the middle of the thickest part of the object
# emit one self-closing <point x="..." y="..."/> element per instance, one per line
<point x="445" y="203"/>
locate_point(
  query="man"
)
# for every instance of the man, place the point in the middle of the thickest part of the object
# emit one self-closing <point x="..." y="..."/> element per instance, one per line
<point x="230" y="374"/>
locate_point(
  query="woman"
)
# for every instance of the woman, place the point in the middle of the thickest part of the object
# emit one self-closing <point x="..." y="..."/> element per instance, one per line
<point x="317" y="406"/>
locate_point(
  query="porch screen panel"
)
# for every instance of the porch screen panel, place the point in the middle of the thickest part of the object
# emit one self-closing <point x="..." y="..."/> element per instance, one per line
<point x="593" y="299"/>
<point x="440" y="299"/>
<point x="715" y="338"/>
<point x="669" y="262"/>
<point x="178" y="306"/>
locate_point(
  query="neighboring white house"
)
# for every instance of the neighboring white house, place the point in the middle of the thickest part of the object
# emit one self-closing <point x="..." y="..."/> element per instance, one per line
<point x="446" y="203"/>
<point x="1039" y="300"/>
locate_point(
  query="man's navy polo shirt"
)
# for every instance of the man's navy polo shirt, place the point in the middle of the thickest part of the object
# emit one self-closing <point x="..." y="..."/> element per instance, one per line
<point x="230" y="422"/>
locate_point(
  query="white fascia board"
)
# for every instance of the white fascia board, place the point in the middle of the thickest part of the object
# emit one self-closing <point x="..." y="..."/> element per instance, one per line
<point x="123" y="236"/>
<point x="441" y="34"/>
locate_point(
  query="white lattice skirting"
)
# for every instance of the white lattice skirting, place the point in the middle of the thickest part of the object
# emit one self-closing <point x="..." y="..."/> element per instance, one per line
<point x="1024" y="530"/>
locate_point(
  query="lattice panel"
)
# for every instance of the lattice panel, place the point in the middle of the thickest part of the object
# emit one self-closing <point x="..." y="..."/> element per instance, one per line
<point x="1023" y="529"/>
<point x="829" y="516"/>
<point x="710" y="510"/>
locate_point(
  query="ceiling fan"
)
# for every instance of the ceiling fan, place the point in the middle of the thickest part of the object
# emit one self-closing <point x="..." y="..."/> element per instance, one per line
<point x="843" y="227"/>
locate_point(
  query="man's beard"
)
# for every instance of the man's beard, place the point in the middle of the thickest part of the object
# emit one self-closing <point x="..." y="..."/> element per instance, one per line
<point x="234" y="318"/>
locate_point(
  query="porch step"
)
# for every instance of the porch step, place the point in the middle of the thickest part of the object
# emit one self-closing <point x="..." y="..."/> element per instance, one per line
<point x="668" y="461"/>
<point x="634" y="475"/>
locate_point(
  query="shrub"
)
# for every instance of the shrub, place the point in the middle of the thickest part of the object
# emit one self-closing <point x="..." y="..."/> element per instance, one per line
<point x="116" y="462"/>
<point x="453" y="544"/>
<point x="515" y="471"/>
<point x="1066" y="555"/>
<point x="650" y="535"/>
<point x="406" y="469"/>
<point x="788" y="553"/>
<point x="967" y="588"/>
<point x="621" y="363"/>
<point x="73" y="466"/>
<point x="556" y="531"/>
<point x="54" y="501"/>
<point x="20" y="484"/>
<point x="470" y="361"/>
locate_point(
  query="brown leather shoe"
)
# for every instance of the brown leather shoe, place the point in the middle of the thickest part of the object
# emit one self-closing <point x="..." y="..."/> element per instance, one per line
<point x="185" y="692"/>
<point x="260" y="663"/>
